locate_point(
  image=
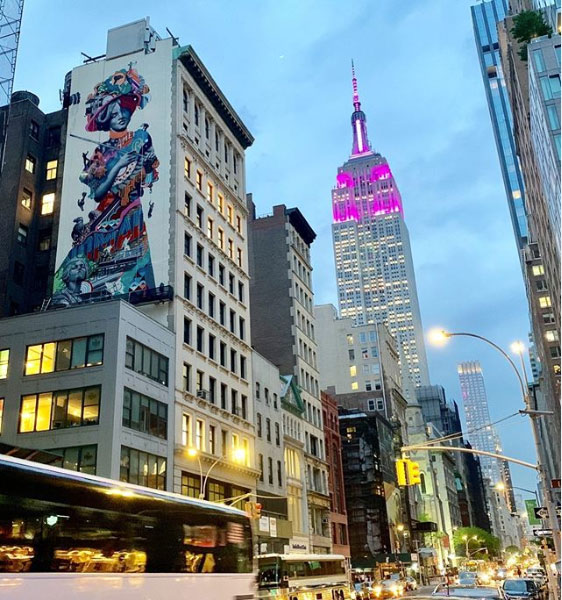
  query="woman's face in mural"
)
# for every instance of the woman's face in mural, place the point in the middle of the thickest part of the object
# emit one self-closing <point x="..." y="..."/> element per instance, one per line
<point x="115" y="117"/>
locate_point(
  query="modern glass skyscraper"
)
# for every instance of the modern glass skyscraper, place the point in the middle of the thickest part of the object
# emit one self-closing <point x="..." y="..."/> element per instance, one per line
<point x="485" y="16"/>
<point x="374" y="267"/>
<point x="480" y="433"/>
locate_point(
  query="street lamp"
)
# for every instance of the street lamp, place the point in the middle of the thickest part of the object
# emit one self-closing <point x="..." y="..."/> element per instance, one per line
<point x="238" y="456"/>
<point x="467" y="540"/>
<point x="440" y="336"/>
<point x="500" y="487"/>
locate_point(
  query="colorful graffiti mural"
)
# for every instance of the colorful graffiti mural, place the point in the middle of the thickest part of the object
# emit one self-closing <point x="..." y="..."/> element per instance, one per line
<point x="110" y="253"/>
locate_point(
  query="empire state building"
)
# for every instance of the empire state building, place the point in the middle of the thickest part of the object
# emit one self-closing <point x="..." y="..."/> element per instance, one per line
<point x="374" y="267"/>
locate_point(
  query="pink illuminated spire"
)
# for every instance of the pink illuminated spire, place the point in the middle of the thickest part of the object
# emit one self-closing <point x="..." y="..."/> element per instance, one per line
<point x="358" y="121"/>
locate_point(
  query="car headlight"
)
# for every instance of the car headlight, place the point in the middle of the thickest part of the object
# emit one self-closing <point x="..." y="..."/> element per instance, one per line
<point x="377" y="589"/>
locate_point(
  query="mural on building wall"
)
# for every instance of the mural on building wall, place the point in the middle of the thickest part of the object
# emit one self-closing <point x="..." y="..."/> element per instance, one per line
<point x="110" y="253"/>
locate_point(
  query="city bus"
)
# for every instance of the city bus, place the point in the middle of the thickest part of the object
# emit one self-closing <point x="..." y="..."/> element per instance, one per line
<point x="66" y="535"/>
<point x="303" y="577"/>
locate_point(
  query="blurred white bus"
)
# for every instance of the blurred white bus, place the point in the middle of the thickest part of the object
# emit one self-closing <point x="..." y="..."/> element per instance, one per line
<point x="303" y="577"/>
<point x="70" y="536"/>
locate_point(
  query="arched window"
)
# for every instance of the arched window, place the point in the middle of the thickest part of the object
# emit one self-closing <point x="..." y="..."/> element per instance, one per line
<point x="422" y="483"/>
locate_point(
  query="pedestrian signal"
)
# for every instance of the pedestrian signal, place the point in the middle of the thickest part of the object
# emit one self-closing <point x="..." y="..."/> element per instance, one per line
<point x="253" y="509"/>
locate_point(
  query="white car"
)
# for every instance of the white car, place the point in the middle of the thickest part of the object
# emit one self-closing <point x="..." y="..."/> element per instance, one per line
<point x="537" y="574"/>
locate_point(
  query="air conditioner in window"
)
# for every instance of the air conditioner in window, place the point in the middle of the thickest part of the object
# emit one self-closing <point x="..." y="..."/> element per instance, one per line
<point x="325" y="521"/>
<point x="202" y="394"/>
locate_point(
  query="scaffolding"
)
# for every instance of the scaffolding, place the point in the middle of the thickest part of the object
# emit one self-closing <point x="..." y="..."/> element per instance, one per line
<point x="10" y="23"/>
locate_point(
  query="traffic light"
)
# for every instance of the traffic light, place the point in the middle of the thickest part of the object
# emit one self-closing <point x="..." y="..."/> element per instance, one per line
<point x="253" y="509"/>
<point x="413" y="473"/>
<point x="401" y="466"/>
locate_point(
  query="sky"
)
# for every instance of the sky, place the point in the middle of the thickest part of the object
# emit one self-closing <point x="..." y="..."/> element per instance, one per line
<point x="285" y="66"/>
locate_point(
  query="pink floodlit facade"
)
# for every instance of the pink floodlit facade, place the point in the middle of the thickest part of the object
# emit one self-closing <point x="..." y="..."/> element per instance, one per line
<point x="374" y="266"/>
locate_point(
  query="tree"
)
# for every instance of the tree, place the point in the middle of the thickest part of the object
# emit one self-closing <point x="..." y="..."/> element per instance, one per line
<point x="512" y="550"/>
<point x="527" y="25"/>
<point x="479" y="538"/>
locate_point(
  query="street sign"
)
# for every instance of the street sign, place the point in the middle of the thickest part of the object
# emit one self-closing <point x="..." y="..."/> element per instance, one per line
<point x="541" y="512"/>
<point x="530" y="505"/>
<point x="555" y="483"/>
<point x="542" y="532"/>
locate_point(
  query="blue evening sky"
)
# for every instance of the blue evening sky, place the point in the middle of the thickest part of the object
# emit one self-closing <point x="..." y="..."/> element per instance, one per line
<point x="285" y="67"/>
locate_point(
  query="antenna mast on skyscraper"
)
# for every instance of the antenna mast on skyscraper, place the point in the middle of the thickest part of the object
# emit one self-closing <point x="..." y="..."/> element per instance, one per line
<point x="10" y="24"/>
<point x="11" y="12"/>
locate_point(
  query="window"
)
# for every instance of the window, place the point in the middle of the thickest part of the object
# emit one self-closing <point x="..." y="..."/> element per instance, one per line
<point x="380" y="404"/>
<point x="233" y="357"/>
<point x="47" y="204"/>
<point x="207" y="128"/>
<point x="210" y="225"/>
<point x="234" y="163"/>
<point x="553" y="118"/>
<point x="187" y="244"/>
<point x="238" y="224"/>
<point x="34" y="130"/>
<point x="240" y="291"/>
<point x="277" y="435"/>
<point x="212" y="390"/>
<point x="222" y="354"/>
<point x="200" y="334"/>
<point x="79" y="458"/>
<point x="220" y="236"/>
<point x="551" y="335"/>
<point x="199" y="216"/>
<point x="258" y="425"/>
<point x="221" y="274"/>
<point x="53" y="136"/>
<point x="187" y="286"/>
<point x="4" y="360"/>
<point x="230" y="213"/>
<point x="239" y="256"/>
<point x="211" y="265"/>
<point x="44" y="241"/>
<point x="58" y="410"/>
<point x="187" y="331"/>
<point x="538" y="270"/>
<point x="187" y="205"/>
<point x="231" y="283"/>
<point x="212" y="439"/>
<point x="143" y="360"/>
<point x="200" y="291"/>
<point x="186" y="377"/>
<point x="211" y="305"/>
<point x="196" y="113"/>
<point x="224" y="392"/>
<point x="64" y="355"/>
<point x="260" y="465"/>
<point x="190" y="485"/>
<point x="234" y="402"/>
<point x="349" y="339"/>
<point x="244" y="406"/>
<point x="220" y="203"/>
<point x="187" y="167"/>
<point x="353" y="371"/>
<point x="554" y="351"/>
<point x="351" y="354"/>
<point x="225" y="152"/>
<point x="200" y="434"/>
<point x="354" y="386"/>
<point x="268" y="429"/>
<point x="26" y="198"/>
<point x="199" y="181"/>
<point x="145" y="414"/>
<point x="212" y="345"/>
<point x="545" y="302"/>
<point x="270" y="470"/>
<point x="222" y="312"/>
<point x="51" y="172"/>
<point x="142" y="468"/>
<point x="539" y="60"/>
<point x="371" y="404"/>
<point x="258" y="387"/>
<point x="30" y="163"/>
<point x="243" y="367"/>
<point x="232" y="321"/>
<point x="230" y="249"/>
<point x="199" y="257"/>
<point x="1" y="413"/>
<point x="22" y="235"/>
<point x="185" y="101"/>
<point x="210" y="193"/>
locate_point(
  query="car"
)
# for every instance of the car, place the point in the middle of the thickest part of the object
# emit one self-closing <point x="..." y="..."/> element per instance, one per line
<point x="537" y="574"/>
<point x="479" y="592"/>
<point x="468" y="578"/>
<point x="521" y="588"/>
<point x="390" y="588"/>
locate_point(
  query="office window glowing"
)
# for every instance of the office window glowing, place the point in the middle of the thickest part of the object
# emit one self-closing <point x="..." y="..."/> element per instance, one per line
<point x="51" y="170"/>
<point x="47" y="204"/>
<point x="4" y="360"/>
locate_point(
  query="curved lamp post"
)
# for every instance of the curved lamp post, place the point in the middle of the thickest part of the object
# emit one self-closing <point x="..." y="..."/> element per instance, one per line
<point x="439" y="337"/>
<point x="239" y="456"/>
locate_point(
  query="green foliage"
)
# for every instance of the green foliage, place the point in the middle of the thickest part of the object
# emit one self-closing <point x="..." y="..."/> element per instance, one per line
<point x="512" y="550"/>
<point x="487" y="540"/>
<point x="527" y="25"/>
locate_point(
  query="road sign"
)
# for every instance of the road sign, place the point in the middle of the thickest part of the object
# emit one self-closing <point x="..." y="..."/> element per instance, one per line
<point x="542" y="532"/>
<point x="541" y="512"/>
<point x="555" y="483"/>
<point x="530" y="505"/>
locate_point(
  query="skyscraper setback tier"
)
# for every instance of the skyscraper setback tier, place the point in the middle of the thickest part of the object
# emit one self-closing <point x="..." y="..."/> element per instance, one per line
<point x="374" y="267"/>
